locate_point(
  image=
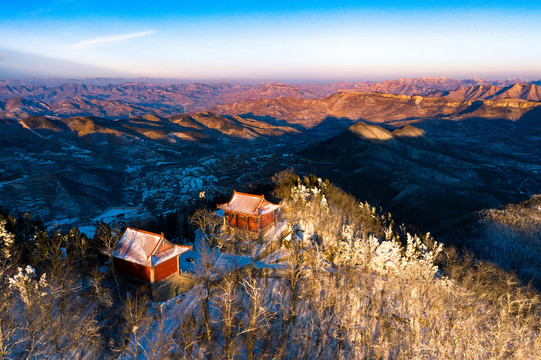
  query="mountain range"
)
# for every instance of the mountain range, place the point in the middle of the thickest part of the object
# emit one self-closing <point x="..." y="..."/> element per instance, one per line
<point x="530" y="92"/>
<point x="82" y="156"/>
<point x="458" y="160"/>
<point x="377" y="107"/>
<point x="434" y="152"/>
<point x="19" y="100"/>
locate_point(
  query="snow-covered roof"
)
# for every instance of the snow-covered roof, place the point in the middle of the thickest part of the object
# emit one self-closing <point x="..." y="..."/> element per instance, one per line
<point x="249" y="204"/>
<point x="146" y="248"/>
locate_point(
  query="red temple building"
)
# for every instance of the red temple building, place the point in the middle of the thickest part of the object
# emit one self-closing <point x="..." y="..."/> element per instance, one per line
<point x="146" y="257"/>
<point x="249" y="212"/>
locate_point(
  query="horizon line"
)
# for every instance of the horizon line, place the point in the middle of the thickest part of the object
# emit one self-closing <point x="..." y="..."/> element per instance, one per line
<point x="149" y="79"/>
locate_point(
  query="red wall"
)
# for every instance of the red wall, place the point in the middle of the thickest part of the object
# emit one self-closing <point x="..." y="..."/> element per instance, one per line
<point x="253" y="223"/>
<point x="248" y="222"/>
<point x="242" y="221"/>
<point x="133" y="270"/>
<point x="267" y="219"/>
<point x="166" y="268"/>
<point x="231" y="218"/>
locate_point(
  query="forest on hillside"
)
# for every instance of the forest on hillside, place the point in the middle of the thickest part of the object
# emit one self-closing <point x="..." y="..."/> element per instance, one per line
<point x="345" y="282"/>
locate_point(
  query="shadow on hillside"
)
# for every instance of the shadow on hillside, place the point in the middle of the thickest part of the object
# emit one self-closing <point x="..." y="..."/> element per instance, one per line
<point x="332" y="125"/>
<point x="329" y="125"/>
<point x="474" y="106"/>
<point x="273" y="121"/>
<point x="461" y="168"/>
<point x="531" y="119"/>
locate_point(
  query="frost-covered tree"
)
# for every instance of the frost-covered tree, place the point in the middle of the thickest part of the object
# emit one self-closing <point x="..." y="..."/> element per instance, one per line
<point x="7" y="241"/>
<point x="136" y="324"/>
<point x="256" y="319"/>
<point x="228" y="304"/>
<point x="55" y="322"/>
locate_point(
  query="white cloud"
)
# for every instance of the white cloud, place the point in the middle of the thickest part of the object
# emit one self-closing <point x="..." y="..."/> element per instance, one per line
<point x="106" y="40"/>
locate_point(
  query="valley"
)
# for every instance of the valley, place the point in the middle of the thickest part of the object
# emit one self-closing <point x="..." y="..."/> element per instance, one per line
<point x="71" y="176"/>
<point x="285" y="180"/>
<point x="421" y="211"/>
<point x="432" y="161"/>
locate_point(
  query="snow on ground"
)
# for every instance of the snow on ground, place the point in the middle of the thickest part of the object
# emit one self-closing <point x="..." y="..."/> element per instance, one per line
<point x="258" y="248"/>
<point x="132" y="168"/>
<point x="26" y="127"/>
<point x="88" y="230"/>
<point x="60" y="222"/>
<point x="278" y="229"/>
<point x="114" y="213"/>
<point x="210" y="162"/>
<point x="167" y="163"/>
<point x="175" y="309"/>
<point x="73" y="147"/>
<point x="277" y="256"/>
<point x="22" y="177"/>
<point x="201" y="247"/>
<point x="277" y="266"/>
<point x="229" y="262"/>
<point x="184" y="262"/>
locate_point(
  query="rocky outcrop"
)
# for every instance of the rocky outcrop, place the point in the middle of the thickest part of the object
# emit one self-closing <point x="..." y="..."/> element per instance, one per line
<point x="530" y="92"/>
<point x="377" y="108"/>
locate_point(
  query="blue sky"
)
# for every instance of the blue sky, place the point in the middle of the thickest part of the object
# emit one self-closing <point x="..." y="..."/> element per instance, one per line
<point x="292" y="41"/>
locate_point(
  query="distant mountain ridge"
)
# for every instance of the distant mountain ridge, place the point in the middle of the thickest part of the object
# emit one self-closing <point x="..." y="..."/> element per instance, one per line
<point x="19" y="100"/>
<point x="377" y="107"/>
<point x="531" y="92"/>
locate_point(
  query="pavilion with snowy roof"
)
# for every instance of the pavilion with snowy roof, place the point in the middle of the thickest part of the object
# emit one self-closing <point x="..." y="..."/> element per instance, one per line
<point x="146" y="256"/>
<point x="249" y="212"/>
